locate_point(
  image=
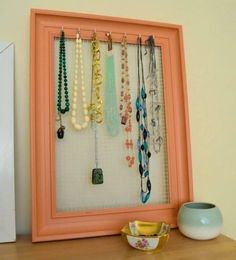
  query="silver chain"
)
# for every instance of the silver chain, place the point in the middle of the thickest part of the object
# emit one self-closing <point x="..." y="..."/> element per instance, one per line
<point x="95" y="143"/>
<point x="155" y="106"/>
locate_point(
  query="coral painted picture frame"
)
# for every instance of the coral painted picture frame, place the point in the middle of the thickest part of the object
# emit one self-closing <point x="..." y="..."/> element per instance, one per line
<point x="47" y="223"/>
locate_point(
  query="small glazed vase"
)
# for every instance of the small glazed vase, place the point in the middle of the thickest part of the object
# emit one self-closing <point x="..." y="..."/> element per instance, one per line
<point x="199" y="220"/>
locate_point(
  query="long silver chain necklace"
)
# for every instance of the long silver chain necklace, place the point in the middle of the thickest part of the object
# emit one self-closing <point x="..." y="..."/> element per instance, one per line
<point x="155" y="105"/>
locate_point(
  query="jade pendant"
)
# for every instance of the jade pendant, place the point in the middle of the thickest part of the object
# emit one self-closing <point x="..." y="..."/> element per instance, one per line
<point x="110" y="98"/>
<point x="97" y="176"/>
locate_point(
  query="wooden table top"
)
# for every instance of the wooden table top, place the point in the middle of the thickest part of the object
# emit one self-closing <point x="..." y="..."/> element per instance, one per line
<point x="113" y="247"/>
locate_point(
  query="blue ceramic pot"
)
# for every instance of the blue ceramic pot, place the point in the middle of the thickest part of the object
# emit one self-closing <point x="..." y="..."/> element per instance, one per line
<point x="199" y="220"/>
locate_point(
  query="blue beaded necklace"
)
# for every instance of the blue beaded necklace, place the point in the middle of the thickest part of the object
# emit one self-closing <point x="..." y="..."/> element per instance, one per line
<point x="143" y="133"/>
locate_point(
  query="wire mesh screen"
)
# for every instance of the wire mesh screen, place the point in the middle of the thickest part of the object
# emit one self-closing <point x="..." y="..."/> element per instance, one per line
<point x="75" y="153"/>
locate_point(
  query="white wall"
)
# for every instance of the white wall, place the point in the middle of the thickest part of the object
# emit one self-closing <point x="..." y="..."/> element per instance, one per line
<point x="209" y="37"/>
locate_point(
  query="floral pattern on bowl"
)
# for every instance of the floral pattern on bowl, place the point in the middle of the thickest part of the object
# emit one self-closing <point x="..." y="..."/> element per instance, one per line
<point x="146" y="236"/>
<point x="143" y="243"/>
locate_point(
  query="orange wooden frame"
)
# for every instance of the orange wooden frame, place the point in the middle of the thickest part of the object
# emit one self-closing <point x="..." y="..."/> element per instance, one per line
<point x="47" y="223"/>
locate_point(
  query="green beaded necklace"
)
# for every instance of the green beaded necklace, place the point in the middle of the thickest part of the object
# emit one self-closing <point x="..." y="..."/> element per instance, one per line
<point x="62" y="70"/>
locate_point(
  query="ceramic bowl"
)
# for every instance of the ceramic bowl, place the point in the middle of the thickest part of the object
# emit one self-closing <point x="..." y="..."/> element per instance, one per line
<point x="199" y="220"/>
<point x="146" y="236"/>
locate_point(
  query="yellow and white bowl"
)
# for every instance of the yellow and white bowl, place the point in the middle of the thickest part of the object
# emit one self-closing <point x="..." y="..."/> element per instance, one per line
<point x="146" y="236"/>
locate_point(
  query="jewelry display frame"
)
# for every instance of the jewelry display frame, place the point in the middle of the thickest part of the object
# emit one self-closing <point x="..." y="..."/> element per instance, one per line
<point x="47" y="223"/>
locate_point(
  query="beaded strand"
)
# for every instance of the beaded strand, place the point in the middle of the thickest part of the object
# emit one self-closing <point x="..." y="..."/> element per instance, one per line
<point x="62" y="71"/>
<point x="79" y="65"/>
<point x="125" y="104"/>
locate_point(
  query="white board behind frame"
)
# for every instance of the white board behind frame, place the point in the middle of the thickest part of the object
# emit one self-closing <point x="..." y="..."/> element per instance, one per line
<point x="7" y="193"/>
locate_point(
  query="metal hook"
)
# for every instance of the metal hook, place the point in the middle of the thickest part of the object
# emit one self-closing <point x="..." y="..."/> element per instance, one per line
<point x="78" y="32"/>
<point x="94" y="34"/>
<point x="108" y="34"/>
<point x="124" y="39"/>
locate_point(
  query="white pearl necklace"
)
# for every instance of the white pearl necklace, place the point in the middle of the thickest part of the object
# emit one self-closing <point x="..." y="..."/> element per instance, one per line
<point x="79" y="61"/>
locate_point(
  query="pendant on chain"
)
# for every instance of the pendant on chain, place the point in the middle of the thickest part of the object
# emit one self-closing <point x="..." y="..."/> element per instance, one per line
<point x="95" y="107"/>
<point x="62" y="79"/>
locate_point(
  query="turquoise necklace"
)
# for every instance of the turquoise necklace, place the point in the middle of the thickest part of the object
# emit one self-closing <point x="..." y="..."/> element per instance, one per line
<point x="111" y="103"/>
<point x="62" y="71"/>
<point x="143" y="133"/>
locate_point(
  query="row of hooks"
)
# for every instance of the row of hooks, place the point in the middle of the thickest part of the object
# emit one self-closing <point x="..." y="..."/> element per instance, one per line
<point x="108" y="33"/>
